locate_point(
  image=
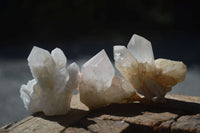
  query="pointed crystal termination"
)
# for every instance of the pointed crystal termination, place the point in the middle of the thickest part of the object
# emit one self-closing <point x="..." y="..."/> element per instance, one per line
<point x="151" y="78"/>
<point x="138" y="45"/>
<point x="52" y="87"/>
<point x="99" y="86"/>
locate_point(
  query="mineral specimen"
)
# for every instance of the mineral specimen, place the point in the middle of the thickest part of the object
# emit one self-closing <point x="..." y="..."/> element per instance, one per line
<point x="151" y="78"/>
<point x="99" y="86"/>
<point x="52" y="87"/>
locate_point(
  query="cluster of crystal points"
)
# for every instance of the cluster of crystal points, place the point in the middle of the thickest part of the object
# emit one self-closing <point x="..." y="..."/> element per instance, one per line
<point x="52" y="87"/>
<point x="151" y="78"/>
<point x="99" y="86"/>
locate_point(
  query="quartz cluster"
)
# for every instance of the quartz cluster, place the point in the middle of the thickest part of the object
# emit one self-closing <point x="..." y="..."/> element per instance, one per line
<point x="53" y="85"/>
<point x="151" y="78"/>
<point x="99" y="86"/>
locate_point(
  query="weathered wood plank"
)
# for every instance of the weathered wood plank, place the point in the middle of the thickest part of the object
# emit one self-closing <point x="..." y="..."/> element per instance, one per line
<point x="193" y="99"/>
<point x="178" y="114"/>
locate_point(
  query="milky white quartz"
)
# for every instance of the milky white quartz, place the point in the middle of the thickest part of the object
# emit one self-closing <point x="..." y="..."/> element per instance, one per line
<point x="53" y="85"/>
<point x="99" y="86"/>
<point x="151" y="78"/>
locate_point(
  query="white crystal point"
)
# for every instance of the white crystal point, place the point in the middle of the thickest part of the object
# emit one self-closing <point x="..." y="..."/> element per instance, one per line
<point x="153" y="79"/>
<point x="42" y="67"/>
<point x="52" y="87"/>
<point x="98" y="68"/>
<point x="59" y="58"/>
<point x="99" y="87"/>
<point x="74" y="79"/>
<point x="141" y="49"/>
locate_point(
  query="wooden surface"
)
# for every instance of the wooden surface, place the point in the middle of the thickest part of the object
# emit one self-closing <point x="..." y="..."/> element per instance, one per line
<point x="178" y="114"/>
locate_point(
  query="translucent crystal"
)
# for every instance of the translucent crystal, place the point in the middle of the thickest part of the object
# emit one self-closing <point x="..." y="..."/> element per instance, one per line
<point x="153" y="79"/>
<point x="138" y="45"/>
<point x="99" y="68"/>
<point x="52" y="87"/>
<point x="99" y="86"/>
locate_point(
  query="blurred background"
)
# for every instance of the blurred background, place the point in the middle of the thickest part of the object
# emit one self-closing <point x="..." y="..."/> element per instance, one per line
<point x="81" y="28"/>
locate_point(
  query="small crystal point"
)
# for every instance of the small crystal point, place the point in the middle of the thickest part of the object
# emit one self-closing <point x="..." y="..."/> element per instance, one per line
<point x="59" y="58"/>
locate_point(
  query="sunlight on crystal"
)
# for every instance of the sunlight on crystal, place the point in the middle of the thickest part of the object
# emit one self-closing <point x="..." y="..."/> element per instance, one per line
<point x="99" y="86"/>
<point x="151" y="78"/>
<point x="53" y="85"/>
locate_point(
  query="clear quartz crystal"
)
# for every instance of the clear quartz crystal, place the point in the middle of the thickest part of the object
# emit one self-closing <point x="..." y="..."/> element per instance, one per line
<point x="151" y="78"/>
<point x="52" y="87"/>
<point x="99" y="86"/>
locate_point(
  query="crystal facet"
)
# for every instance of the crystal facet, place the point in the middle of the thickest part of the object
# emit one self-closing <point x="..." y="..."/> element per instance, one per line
<point x="151" y="78"/>
<point x="138" y="45"/>
<point x="99" y="86"/>
<point x="52" y="87"/>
